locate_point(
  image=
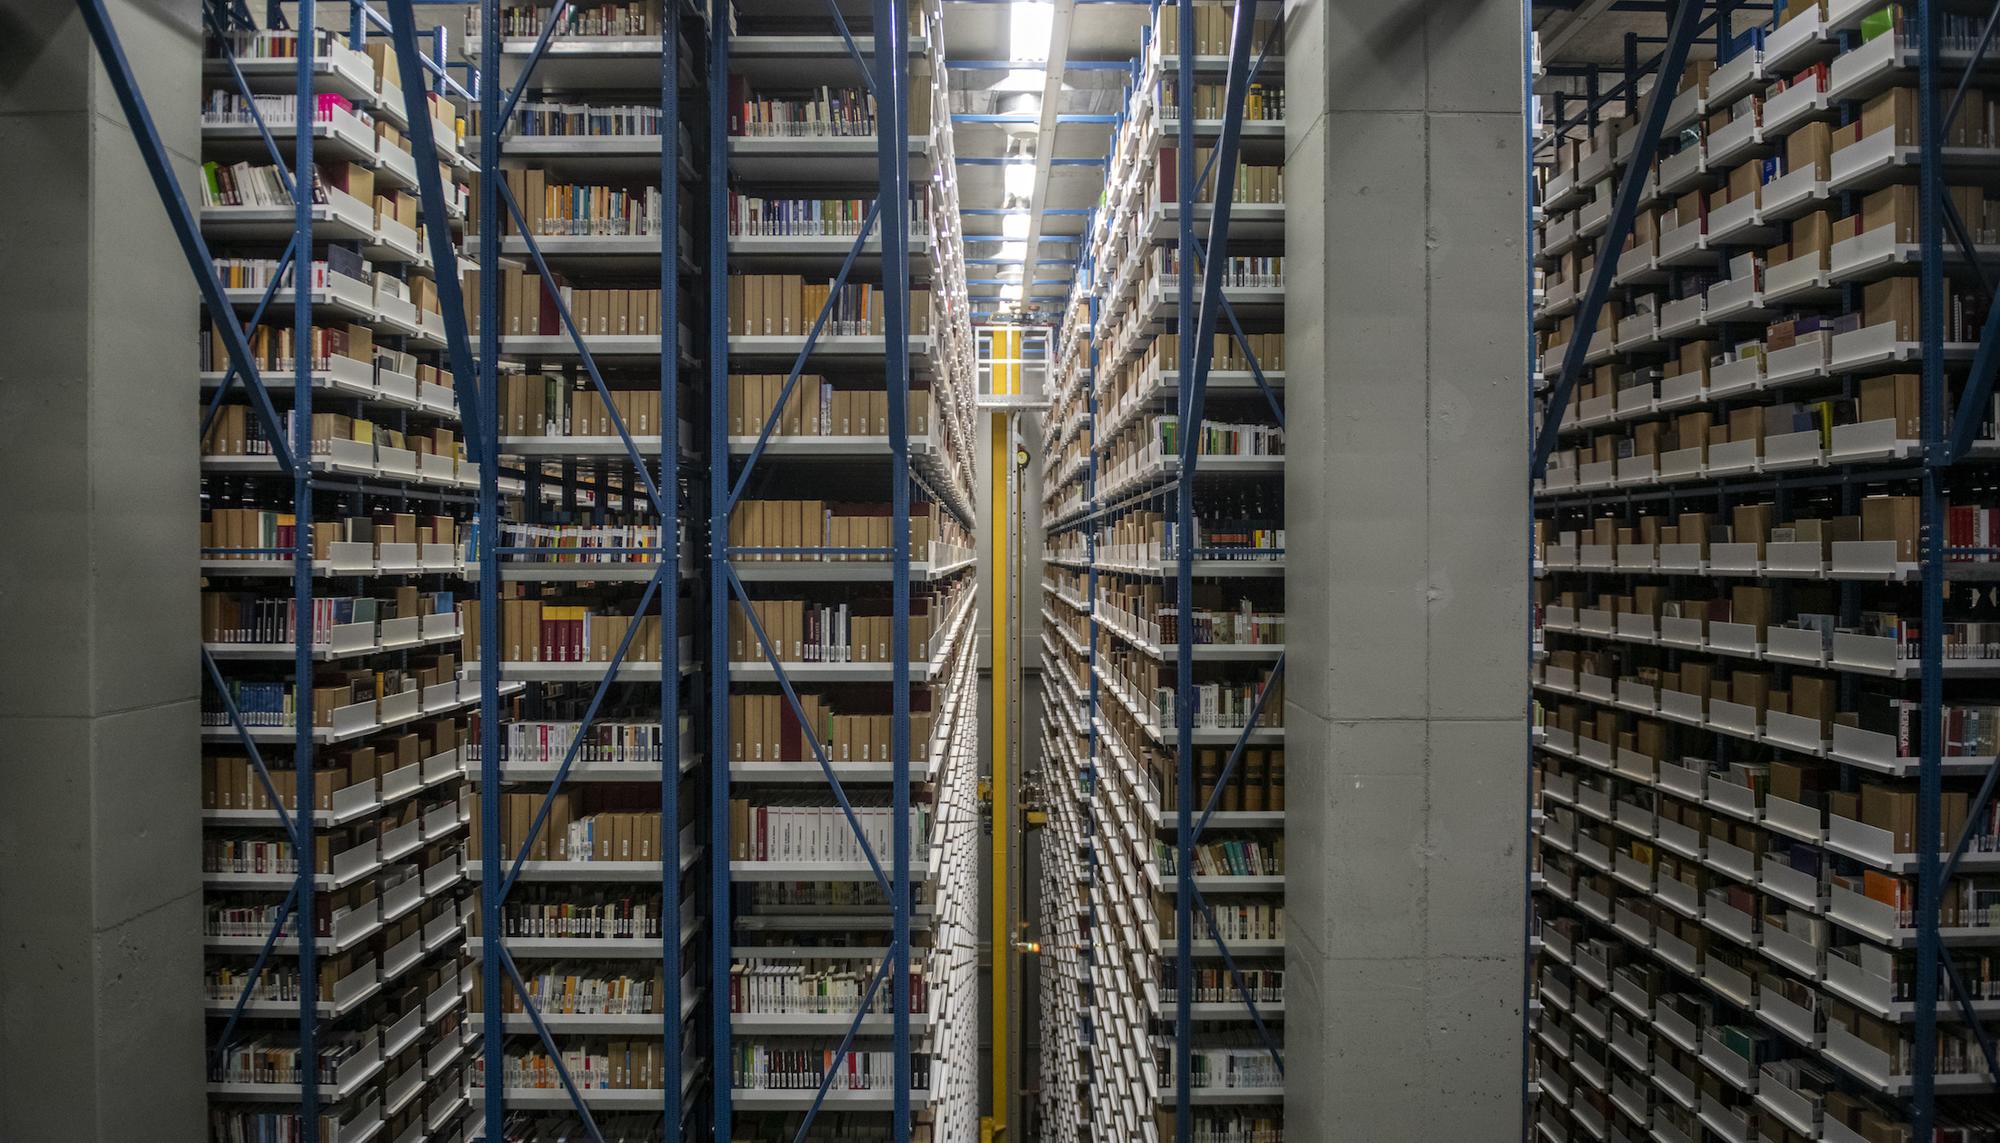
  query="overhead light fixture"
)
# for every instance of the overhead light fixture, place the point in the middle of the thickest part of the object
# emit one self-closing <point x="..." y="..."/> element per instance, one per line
<point x="1014" y="226"/>
<point x="1019" y="179"/>
<point x="1029" y="28"/>
<point x="1010" y="293"/>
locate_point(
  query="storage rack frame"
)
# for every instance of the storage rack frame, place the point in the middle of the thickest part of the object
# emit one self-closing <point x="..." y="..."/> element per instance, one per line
<point x="1948" y="437"/>
<point x="661" y="487"/>
<point x="421" y="75"/>
<point x="885" y="72"/>
<point x="1203" y="310"/>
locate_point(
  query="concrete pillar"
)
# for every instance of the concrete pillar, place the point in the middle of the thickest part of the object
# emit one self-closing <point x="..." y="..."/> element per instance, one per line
<point x="1406" y="519"/>
<point x="100" y="965"/>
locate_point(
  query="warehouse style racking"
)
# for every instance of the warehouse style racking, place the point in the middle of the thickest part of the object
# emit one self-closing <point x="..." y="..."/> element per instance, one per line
<point x="1163" y="869"/>
<point x="839" y="510"/>
<point x="590" y="789"/>
<point x="1767" y="836"/>
<point x="556" y="761"/>
<point x="331" y="791"/>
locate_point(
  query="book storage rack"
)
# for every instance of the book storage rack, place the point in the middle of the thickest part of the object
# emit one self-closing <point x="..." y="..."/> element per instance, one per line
<point x="333" y="860"/>
<point x="590" y="789"/>
<point x="1163" y="870"/>
<point x="1764" y="870"/>
<point x="841" y="707"/>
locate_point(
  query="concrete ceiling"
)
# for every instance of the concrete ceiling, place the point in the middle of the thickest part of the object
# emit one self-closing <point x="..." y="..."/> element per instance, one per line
<point x="1056" y="158"/>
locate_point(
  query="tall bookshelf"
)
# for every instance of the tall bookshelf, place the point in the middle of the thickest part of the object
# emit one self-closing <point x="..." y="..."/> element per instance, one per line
<point x="840" y="582"/>
<point x="591" y="785"/>
<point x="335" y="493"/>
<point x="1161" y="739"/>
<point x="1766" y="860"/>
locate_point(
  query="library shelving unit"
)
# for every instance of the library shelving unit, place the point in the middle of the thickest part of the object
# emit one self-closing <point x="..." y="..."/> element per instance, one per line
<point x="1768" y="869"/>
<point x="1163" y="751"/>
<point x="588" y="843"/>
<point x="335" y="489"/>
<point x="841" y="705"/>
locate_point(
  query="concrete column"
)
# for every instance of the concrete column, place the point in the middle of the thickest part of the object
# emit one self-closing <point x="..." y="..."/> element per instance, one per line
<point x="100" y="965"/>
<point x="1406" y="519"/>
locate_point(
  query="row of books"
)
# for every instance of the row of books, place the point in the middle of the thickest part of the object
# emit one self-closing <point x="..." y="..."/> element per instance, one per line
<point x="1218" y="984"/>
<point x="626" y="18"/>
<point x="232" y="782"/>
<point x="759" y="217"/>
<point x="577" y="824"/>
<point x="580" y="912"/>
<point x="546" y="404"/>
<point x="612" y="543"/>
<point x="764" y="728"/>
<point x="608" y="741"/>
<point x="816" y="408"/>
<point x="272" y="347"/>
<point x="237" y="431"/>
<point x="535" y="632"/>
<point x="1223" y="1067"/>
<point x="821" y="833"/>
<point x="245" y="617"/>
<point x="1224" y="705"/>
<point x="820" y="112"/>
<point x="1263" y="103"/>
<point x="1239" y="271"/>
<point x="275" y="1058"/>
<point x="813" y="531"/>
<point x="760" y="1066"/>
<point x="1218" y="438"/>
<point x="266" y="704"/>
<point x="1258" y="784"/>
<point x="1212" y="27"/>
<point x="762" y="986"/>
<point x="1244" y="626"/>
<point x="577" y="209"/>
<point x="1234" y="921"/>
<point x="257" y="533"/>
<point x="1256" y="183"/>
<point x="548" y="118"/>
<point x="591" y="1066"/>
<point x="787" y="305"/>
<point x="1237" y="857"/>
<point x="532" y="306"/>
<point x="584" y="989"/>
<point x="800" y="631"/>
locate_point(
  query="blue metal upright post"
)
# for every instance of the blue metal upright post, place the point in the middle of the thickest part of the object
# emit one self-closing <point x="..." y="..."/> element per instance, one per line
<point x="892" y="160"/>
<point x="493" y="1043"/>
<point x="668" y="508"/>
<point x="303" y="182"/>
<point x="720" y="928"/>
<point x="1185" y="789"/>
<point x="1930" y="241"/>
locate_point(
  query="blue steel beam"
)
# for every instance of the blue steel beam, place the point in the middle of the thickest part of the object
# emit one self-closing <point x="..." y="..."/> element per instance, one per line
<point x="669" y="509"/>
<point x="720" y="928"/>
<point x="486" y="425"/>
<point x="1934" y="407"/>
<point x="1686" y="26"/>
<point x="892" y="161"/>
<point x="305" y="857"/>
<point x="1184" y="597"/>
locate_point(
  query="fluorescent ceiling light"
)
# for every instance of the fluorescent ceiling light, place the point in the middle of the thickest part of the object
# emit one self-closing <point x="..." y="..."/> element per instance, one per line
<point x="1022" y="80"/>
<point x="1029" y="29"/>
<point x="1019" y="179"/>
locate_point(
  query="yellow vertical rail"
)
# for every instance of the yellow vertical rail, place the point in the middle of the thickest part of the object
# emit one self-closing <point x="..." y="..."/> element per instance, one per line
<point x="1004" y="363"/>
